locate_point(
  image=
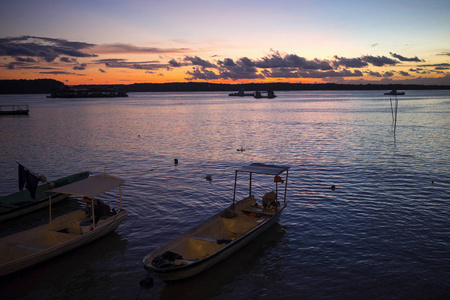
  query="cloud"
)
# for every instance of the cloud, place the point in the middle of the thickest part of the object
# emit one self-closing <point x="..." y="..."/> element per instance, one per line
<point x="61" y="73"/>
<point x="349" y="62"/>
<point x="379" y="61"/>
<point x="197" y="61"/>
<point x="403" y="73"/>
<point x="67" y="59"/>
<point x="80" y="67"/>
<point x="47" y="49"/>
<point x="173" y="63"/>
<point x="277" y="60"/>
<point x="388" y="74"/>
<point x="442" y="65"/>
<point x="128" y="48"/>
<point x="101" y="70"/>
<point x="330" y="74"/>
<point x="402" y="58"/>
<point x="202" y="74"/>
<point x="125" y="64"/>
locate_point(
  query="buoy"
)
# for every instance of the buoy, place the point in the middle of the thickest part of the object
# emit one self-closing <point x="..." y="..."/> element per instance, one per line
<point x="175" y="161"/>
<point x="208" y="177"/>
<point x="333" y="187"/>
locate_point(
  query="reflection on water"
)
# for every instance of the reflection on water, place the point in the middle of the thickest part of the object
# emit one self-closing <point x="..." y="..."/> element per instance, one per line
<point x="382" y="233"/>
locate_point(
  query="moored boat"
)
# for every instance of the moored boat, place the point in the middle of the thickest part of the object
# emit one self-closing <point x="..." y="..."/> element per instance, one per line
<point x="22" y="202"/>
<point x="269" y="94"/>
<point x="394" y="93"/>
<point x="223" y="234"/>
<point x="241" y="93"/>
<point x="14" y="110"/>
<point x="67" y="232"/>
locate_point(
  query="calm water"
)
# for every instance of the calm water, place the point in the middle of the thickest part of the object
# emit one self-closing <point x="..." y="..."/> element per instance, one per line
<point x="384" y="233"/>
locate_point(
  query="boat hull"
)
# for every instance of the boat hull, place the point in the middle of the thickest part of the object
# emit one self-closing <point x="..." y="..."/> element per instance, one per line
<point x="30" y="253"/>
<point x="183" y="272"/>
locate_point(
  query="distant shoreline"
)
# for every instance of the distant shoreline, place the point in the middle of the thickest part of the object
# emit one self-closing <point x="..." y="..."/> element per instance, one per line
<point x="45" y="86"/>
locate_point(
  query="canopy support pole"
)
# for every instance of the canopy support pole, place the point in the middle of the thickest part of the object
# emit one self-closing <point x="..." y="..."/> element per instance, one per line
<point x="250" y="187"/>
<point x="285" y="187"/>
<point x="50" y="209"/>
<point x="120" y="196"/>
<point x="234" y="193"/>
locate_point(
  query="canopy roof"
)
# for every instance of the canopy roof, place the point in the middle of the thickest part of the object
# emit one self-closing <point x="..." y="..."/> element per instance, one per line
<point x="90" y="187"/>
<point x="264" y="169"/>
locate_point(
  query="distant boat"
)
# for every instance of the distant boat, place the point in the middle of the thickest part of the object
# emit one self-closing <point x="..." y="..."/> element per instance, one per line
<point x="97" y="92"/>
<point x="14" y="110"/>
<point x="21" y="202"/>
<point x="223" y="234"/>
<point x="269" y="94"/>
<point x="241" y="93"/>
<point x="394" y="93"/>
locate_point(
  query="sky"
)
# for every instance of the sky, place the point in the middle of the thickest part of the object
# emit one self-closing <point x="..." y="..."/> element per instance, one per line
<point x="316" y="41"/>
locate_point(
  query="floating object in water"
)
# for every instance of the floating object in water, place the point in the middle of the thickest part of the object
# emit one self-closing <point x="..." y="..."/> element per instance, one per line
<point x="241" y="150"/>
<point x="333" y="187"/>
<point x="175" y="161"/>
<point x="209" y="177"/>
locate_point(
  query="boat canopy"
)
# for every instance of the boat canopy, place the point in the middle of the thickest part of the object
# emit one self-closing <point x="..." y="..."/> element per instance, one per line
<point x="90" y="187"/>
<point x="259" y="168"/>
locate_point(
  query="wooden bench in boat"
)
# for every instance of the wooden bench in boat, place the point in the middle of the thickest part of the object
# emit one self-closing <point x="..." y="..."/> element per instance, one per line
<point x="258" y="210"/>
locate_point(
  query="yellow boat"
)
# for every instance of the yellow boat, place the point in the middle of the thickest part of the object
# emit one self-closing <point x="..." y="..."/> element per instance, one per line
<point x="67" y="232"/>
<point x="222" y="235"/>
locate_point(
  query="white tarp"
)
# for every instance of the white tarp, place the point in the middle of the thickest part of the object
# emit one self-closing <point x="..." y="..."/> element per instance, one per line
<point x="90" y="187"/>
<point x="264" y="169"/>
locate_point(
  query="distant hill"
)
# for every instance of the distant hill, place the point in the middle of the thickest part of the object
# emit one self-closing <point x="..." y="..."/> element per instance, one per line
<point x="45" y="86"/>
<point x="36" y="86"/>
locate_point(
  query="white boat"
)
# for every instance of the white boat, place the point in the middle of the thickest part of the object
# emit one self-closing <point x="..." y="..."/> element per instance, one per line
<point x="67" y="232"/>
<point x="222" y="235"/>
<point x="269" y="94"/>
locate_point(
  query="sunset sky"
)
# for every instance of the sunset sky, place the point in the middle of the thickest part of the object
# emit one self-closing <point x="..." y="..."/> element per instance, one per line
<point x="124" y="42"/>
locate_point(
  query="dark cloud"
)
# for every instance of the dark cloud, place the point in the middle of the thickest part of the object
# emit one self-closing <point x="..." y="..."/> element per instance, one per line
<point x="173" y="63"/>
<point x="197" y="61"/>
<point x="80" y="67"/>
<point x="128" y="48"/>
<point x="349" y="62"/>
<point x="47" y="49"/>
<point x="28" y="59"/>
<point x="125" y="64"/>
<point x="374" y="74"/>
<point x="443" y="65"/>
<point x="402" y="58"/>
<point x="101" y="71"/>
<point x="403" y="73"/>
<point x="67" y="59"/>
<point x="388" y="74"/>
<point x="61" y="73"/>
<point x="328" y="74"/>
<point x="379" y="61"/>
<point x="202" y="74"/>
<point x="277" y="60"/>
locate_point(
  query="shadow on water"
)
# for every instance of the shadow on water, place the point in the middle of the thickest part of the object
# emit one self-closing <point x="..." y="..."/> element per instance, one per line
<point x="213" y="282"/>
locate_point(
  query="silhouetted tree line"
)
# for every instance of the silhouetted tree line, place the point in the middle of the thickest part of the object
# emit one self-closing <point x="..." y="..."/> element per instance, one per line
<point x="45" y="86"/>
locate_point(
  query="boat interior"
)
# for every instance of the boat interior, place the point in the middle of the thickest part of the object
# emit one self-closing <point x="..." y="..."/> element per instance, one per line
<point x="217" y="232"/>
<point x="59" y="231"/>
